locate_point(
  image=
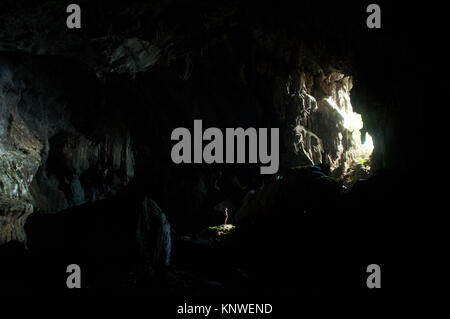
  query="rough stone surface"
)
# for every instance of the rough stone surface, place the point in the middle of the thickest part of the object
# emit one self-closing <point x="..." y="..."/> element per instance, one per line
<point x="114" y="95"/>
<point x="154" y="234"/>
<point x="47" y="162"/>
<point x="85" y="122"/>
<point x="83" y="111"/>
<point x="288" y="198"/>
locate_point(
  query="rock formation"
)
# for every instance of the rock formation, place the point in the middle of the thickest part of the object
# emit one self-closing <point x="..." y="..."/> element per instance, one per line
<point x="85" y="122"/>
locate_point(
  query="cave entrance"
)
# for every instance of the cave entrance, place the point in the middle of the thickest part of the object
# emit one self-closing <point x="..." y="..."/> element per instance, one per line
<point x="357" y="149"/>
<point x="352" y="156"/>
<point x="329" y="132"/>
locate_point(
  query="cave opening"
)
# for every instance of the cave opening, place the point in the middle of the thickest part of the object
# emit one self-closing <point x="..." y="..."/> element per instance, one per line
<point x="359" y="145"/>
<point x="328" y="131"/>
<point x="86" y="173"/>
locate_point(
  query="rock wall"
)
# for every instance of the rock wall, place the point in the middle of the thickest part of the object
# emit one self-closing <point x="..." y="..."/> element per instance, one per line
<point x="321" y="125"/>
<point x="83" y="111"/>
<point x="46" y="162"/>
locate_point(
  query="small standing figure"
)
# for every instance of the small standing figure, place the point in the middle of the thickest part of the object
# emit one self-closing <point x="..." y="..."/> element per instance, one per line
<point x="226" y="216"/>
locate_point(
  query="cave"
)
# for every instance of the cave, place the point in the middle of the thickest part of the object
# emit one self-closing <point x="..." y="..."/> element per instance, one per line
<point x="87" y="178"/>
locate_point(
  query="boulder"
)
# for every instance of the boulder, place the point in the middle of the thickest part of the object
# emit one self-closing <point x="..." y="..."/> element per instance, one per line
<point x="154" y="234"/>
<point x="285" y="199"/>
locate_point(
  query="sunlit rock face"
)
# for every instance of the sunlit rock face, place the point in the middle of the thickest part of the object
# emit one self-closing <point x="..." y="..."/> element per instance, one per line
<point x="326" y="130"/>
<point x="348" y="149"/>
<point x="19" y="161"/>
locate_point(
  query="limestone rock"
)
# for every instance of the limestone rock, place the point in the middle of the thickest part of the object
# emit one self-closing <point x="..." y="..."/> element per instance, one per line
<point x="48" y="161"/>
<point x="133" y="56"/>
<point x="13" y="215"/>
<point x="286" y="199"/>
<point x="154" y="234"/>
